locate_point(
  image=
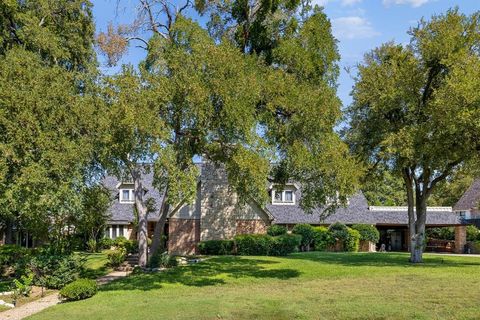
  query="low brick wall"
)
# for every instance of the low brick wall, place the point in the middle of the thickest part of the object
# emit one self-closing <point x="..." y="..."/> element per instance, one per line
<point x="366" y="246"/>
<point x="183" y="236"/>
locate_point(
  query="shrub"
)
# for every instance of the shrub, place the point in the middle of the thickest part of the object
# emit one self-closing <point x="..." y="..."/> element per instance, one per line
<point x="253" y="244"/>
<point x="116" y="257"/>
<point x="472" y="233"/>
<point x="79" y="289"/>
<point x="55" y="270"/>
<point x="307" y="233"/>
<point x="23" y="287"/>
<point x="162" y="260"/>
<point x="352" y="242"/>
<point x="347" y="237"/>
<point x="129" y="245"/>
<point x="367" y="232"/>
<point x="442" y="233"/>
<point x="216" y="247"/>
<point x="92" y="245"/>
<point x="106" y="243"/>
<point x="276" y="230"/>
<point x="285" y="244"/>
<point x="322" y="238"/>
<point x="13" y="260"/>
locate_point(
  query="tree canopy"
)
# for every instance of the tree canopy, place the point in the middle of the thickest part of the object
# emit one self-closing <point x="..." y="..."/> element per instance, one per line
<point x="416" y="109"/>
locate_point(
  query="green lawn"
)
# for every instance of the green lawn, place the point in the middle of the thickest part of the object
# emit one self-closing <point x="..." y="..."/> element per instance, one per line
<point x="95" y="264"/>
<point x="301" y="286"/>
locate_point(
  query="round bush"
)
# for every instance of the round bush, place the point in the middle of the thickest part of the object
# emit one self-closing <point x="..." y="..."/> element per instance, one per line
<point x="116" y="257"/>
<point x="307" y="233"/>
<point x="322" y="238"/>
<point x="79" y="289"/>
<point x="276" y="230"/>
<point x="367" y="232"/>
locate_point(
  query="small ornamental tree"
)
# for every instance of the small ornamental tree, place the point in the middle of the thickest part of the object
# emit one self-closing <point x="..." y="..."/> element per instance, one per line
<point x="416" y="110"/>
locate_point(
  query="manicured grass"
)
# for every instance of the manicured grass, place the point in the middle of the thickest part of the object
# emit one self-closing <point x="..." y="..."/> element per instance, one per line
<point x="95" y="264"/>
<point x="302" y="286"/>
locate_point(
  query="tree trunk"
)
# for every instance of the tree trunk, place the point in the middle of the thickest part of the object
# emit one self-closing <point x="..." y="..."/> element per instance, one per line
<point x="142" y="218"/>
<point x="9" y="232"/>
<point x="160" y="225"/>
<point x="421" y="213"/>
<point x="408" y="180"/>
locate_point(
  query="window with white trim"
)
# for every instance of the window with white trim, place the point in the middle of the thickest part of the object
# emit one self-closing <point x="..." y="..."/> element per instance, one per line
<point x="283" y="196"/>
<point x="126" y="196"/>
<point x="115" y="230"/>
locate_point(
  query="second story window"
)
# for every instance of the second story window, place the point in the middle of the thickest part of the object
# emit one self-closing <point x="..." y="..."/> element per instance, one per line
<point x="126" y="196"/>
<point x="283" y="196"/>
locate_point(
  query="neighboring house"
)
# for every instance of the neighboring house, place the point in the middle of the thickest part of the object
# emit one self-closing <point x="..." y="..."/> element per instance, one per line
<point x="217" y="214"/>
<point x="468" y="205"/>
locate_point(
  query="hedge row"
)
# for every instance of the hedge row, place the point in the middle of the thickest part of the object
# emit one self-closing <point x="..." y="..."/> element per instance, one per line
<point x="337" y="237"/>
<point x="252" y="245"/>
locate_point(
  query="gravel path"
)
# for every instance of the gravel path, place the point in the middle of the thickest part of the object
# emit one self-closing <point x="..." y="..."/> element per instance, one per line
<point x="50" y="300"/>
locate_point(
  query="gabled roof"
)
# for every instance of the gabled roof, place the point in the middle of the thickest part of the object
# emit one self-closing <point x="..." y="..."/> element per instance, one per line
<point x="358" y="211"/>
<point x="470" y="199"/>
<point x="123" y="212"/>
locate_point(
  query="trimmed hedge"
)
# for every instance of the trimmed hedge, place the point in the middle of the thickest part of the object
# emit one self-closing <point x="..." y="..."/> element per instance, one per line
<point x="367" y="232"/>
<point x="276" y="230"/>
<point x="216" y="247"/>
<point x="253" y="244"/>
<point x="266" y="245"/>
<point x="79" y="289"/>
<point x="352" y="243"/>
<point x="347" y="237"/>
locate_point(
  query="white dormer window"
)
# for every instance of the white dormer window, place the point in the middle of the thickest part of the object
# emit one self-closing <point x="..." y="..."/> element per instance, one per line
<point x="126" y="196"/>
<point x="283" y="196"/>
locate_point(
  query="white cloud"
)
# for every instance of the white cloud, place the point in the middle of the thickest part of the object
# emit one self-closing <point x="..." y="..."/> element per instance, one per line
<point x="353" y="28"/>
<point x="413" y="3"/>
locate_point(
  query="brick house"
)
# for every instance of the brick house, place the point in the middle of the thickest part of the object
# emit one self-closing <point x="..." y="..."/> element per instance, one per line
<point x="217" y="214"/>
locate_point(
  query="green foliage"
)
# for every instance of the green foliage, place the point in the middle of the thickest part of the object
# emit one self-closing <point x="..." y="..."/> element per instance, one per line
<point x="13" y="260"/>
<point x="253" y="244"/>
<point x="23" y="287"/>
<point x="347" y="237"/>
<point x="264" y="245"/>
<point x="53" y="270"/>
<point x="307" y="233"/>
<point x="129" y="245"/>
<point x="216" y="247"/>
<point x="412" y="104"/>
<point x="106" y="243"/>
<point x="162" y="260"/>
<point x="79" y="289"/>
<point x="92" y="245"/>
<point x="444" y="233"/>
<point x="473" y="234"/>
<point x="276" y="230"/>
<point x="351" y="244"/>
<point x="285" y="244"/>
<point x="116" y="257"/>
<point x="93" y="217"/>
<point x="323" y="239"/>
<point x="367" y="232"/>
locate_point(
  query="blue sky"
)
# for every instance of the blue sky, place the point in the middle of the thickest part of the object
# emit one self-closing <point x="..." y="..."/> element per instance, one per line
<point x="359" y="25"/>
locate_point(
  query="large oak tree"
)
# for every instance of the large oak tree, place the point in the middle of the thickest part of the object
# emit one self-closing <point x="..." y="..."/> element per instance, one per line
<point x="416" y="109"/>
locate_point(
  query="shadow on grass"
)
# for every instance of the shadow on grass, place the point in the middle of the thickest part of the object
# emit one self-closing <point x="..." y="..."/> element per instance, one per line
<point x="213" y="271"/>
<point x="376" y="259"/>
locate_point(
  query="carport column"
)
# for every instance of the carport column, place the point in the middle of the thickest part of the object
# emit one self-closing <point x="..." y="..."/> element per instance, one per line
<point x="460" y="238"/>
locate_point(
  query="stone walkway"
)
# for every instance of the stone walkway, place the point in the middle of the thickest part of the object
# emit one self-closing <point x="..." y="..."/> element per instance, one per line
<point x="38" y="305"/>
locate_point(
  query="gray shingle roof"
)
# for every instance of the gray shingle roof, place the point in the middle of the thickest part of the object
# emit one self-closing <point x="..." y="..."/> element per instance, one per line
<point x="357" y="211"/>
<point x="123" y="212"/>
<point x="470" y="199"/>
